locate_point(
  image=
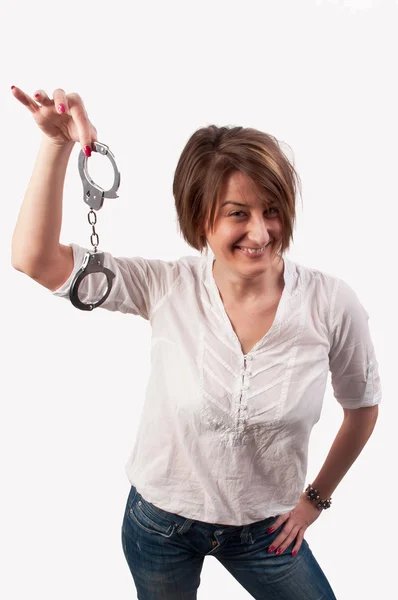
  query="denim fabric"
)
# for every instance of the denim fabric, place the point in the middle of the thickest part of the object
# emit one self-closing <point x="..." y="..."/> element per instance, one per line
<point x="165" y="554"/>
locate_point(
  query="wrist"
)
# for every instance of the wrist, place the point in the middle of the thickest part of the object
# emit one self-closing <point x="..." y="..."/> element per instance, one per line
<point x="66" y="146"/>
<point x="313" y="496"/>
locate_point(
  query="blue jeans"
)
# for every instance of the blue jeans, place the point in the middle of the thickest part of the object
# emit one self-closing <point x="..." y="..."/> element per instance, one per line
<point x="165" y="554"/>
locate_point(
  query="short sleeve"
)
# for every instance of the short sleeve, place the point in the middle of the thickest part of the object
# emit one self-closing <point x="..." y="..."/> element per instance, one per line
<point x="138" y="286"/>
<point x="352" y="360"/>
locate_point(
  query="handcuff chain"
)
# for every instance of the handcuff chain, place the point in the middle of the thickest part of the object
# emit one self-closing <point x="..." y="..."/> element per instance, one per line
<point x="94" y="234"/>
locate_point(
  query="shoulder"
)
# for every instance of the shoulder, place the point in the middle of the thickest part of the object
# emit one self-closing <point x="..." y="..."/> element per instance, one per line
<point x="328" y="291"/>
<point x="311" y="280"/>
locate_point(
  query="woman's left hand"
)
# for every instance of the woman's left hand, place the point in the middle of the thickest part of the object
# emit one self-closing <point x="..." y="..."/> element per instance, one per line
<point x="296" y="522"/>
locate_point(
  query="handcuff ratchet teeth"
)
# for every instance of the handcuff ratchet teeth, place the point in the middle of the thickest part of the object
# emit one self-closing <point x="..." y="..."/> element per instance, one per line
<point x="94" y="195"/>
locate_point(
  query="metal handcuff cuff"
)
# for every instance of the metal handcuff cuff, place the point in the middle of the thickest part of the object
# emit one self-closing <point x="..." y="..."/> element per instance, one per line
<point x="94" y="195"/>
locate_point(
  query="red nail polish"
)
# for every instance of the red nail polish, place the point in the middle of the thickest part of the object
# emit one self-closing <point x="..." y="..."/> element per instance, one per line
<point x="271" y="529"/>
<point x="271" y="548"/>
<point x="87" y="151"/>
<point x="12" y="87"/>
<point x="279" y="551"/>
<point x="294" y="552"/>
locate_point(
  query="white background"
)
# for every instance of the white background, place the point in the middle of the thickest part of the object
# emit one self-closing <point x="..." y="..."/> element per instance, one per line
<point x="321" y="77"/>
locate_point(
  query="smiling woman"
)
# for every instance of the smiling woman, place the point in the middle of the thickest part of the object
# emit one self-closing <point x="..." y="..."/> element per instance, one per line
<point x="243" y="342"/>
<point x="247" y="269"/>
<point x="210" y="157"/>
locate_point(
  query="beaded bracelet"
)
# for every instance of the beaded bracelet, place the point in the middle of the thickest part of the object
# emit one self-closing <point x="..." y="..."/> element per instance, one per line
<point x="314" y="496"/>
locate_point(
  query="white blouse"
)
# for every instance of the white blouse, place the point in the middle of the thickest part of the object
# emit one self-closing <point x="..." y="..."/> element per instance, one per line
<point x="223" y="436"/>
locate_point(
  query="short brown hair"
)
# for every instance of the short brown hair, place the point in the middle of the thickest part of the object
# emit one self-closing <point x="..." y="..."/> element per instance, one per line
<point x="210" y="156"/>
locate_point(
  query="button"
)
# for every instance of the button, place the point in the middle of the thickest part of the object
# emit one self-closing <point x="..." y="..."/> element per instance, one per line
<point x="244" y="372"/>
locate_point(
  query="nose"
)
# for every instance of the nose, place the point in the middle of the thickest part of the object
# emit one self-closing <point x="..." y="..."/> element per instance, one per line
<point x="258" y="231"/>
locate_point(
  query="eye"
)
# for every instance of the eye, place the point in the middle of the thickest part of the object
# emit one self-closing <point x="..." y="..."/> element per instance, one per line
<point x="241" y="212"/>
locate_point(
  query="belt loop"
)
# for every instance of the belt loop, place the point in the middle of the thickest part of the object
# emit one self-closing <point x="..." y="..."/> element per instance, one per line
<point x="185" y="526"/>
<point x="246" y="536"/>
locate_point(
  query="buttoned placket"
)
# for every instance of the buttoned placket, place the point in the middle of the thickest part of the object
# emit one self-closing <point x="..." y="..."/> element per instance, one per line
<point x="246" y="372"/>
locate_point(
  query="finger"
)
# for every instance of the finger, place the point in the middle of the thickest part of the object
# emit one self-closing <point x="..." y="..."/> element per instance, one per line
<point x="25" y="99"/>
<point x="285" y="540"/>
<point x="275" y="525"/>
<point x="278" y="522"/>
<point x="298" y="543"/>
<point x="42" y="97"/>
<point x="60" y="98"/>
<point x="281" y="536"/>
<point x="79" y="115"/>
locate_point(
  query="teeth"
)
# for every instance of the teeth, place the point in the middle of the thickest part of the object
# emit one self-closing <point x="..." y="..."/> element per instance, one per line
<point x="251" y="250"/>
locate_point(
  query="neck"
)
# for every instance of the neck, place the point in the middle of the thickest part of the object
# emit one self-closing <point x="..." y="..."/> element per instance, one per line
<point x="249" y="291"/>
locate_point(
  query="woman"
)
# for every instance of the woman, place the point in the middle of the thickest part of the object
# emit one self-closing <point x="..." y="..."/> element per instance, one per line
<point x="243" y="339"/>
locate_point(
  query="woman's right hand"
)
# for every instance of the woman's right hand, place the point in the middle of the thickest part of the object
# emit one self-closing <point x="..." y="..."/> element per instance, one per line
<point x="61" y="128"/>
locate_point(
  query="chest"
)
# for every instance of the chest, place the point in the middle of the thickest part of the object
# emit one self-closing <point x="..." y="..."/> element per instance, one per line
<point x="252" y="324"/>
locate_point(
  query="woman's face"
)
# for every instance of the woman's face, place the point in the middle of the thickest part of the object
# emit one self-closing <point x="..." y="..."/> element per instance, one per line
<point x="253" y="225"/>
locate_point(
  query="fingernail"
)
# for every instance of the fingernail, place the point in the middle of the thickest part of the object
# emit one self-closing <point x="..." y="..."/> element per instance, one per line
<point x="278" y="551"/>
<point x="12" y="87"/>
<point x="294" y="552"/>
<point x="271" y="529"/>
<point x="61" y="108"/>
<point x="87" y="151"/>
<point x="271" y="548"/>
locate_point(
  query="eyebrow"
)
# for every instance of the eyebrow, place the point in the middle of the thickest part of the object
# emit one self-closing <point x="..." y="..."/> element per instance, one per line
<point x="238" y="204"/>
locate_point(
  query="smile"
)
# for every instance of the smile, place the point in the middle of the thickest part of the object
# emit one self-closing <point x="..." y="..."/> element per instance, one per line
<point x="252" y="253"/>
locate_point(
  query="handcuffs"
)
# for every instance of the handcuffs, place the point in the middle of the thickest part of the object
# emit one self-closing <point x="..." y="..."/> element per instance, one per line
<point x="94" y="195"/>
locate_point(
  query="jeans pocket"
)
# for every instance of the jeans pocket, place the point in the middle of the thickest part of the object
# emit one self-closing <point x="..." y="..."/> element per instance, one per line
<point x="150" y="518"/>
